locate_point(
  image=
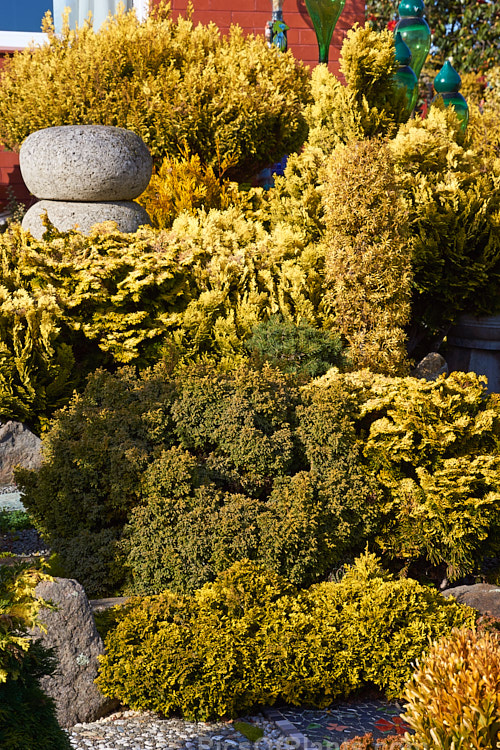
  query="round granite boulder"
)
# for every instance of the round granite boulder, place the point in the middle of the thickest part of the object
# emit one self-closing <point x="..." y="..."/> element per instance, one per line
<point x="85" y="163"/>
<point x="66" y="215"/>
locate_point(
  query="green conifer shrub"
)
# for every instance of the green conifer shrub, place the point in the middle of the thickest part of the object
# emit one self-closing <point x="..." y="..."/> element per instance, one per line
<point x="27" y="716"/>
<point x="241" y="421"/>
<point x="185" y="531"/>
<point x="170" y="82"/>
<point x="165" y="480"/>
<point x="298" y="349"/>
<point x="368" y="105"/>
<point x="94" y="453"/>
<point x="203" y="465"/>
<point x="241" y="485"/>
<point x="250" y="639"/>
<point x="433" y="447"/>
<point x="367" y="257"/>
<point x="181" y="536"/>
<point x="316" y="520"/>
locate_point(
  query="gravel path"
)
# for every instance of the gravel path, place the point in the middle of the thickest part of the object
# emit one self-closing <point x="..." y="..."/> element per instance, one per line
<point x="131" y="730"/>
<point x="10" y="498"/>
<point x="284" y="729"/>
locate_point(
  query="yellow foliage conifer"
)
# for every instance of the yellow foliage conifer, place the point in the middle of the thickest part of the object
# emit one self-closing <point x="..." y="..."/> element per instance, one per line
<point x="369" y="104"/>
<point x="168" y="81"/>
<point x="367" y="259"/>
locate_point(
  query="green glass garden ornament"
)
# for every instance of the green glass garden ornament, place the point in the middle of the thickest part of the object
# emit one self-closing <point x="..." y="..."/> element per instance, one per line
<point x="279" y="29"/>
<point x="415" y="32"/>
<point x="324" y="15"/>
<point x="447" y="85"/>
<point x="405" y="76"/>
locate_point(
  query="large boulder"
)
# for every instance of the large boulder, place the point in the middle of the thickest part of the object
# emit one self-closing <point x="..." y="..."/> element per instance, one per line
<point x="485" y="597"/>
<point x="85" y="163"/>
<point x="71" y="631"/>
<point x="18" y="447"/>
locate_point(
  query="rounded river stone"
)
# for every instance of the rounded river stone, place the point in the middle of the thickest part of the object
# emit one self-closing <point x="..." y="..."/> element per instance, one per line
<point x="66" y="215"/>
<point x="85" y="163"/>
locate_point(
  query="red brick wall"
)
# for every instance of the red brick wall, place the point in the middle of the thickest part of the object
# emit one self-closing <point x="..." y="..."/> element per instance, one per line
<point x="11" y="182"/>
<point x="251" y="15"/>
<point x="10" y="174"/>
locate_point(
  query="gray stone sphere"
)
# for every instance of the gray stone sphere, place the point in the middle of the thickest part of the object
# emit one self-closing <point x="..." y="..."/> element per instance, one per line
<point x="85" y="163"/>
<point x="66" y="215"/>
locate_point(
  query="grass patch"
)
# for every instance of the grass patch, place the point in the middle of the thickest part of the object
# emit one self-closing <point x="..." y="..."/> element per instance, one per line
<point x="14" y="520"/>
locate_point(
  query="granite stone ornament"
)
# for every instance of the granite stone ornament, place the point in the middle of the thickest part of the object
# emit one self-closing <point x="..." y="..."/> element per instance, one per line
<point x="66" y="215"/>
<point x="84" y="175"/>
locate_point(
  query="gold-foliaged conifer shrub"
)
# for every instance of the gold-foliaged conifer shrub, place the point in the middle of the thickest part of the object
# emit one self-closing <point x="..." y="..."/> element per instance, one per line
<point x="170" y="82"/>
<point x="368" y="104"/>
<point x="368" y="260"/>
<point x="250" y="638"/>
<point x="115" y="298"/>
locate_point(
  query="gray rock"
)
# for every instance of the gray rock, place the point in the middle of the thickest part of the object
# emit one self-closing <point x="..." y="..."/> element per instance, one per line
<point x="85" y="163"/>
<point x="66" y="215"/>
<point x="71" y="631"/>
<point x="18" y="447"/>
<point x="485" y="597"/>
<point x="430" y="367"/>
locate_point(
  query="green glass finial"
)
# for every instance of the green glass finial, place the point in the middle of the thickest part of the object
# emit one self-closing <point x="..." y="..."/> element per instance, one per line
<point x="447" y="85"/>
<point x="403" y="52"/>
<point x="324" y="15"/>
<point x="411" y="8"/>
<point x="404" y="77"/>
<point x="414" y="31"/>
<point x="447" y="80"/>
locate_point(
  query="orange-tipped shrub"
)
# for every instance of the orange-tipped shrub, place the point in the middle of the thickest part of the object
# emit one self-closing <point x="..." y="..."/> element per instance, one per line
<point x="368" y="742"/>
<point x="453" y="699"/>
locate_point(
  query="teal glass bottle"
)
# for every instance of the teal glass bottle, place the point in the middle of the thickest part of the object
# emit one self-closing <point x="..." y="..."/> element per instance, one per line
<point x="447" y="84"/>
<point x="414" y="31"/>
<point x="405" y="76"/>
<point x="324" y="15"/>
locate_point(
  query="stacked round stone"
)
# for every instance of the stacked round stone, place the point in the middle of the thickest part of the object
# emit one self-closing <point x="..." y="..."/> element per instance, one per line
<point x="84" y="175"/>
